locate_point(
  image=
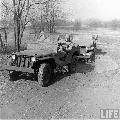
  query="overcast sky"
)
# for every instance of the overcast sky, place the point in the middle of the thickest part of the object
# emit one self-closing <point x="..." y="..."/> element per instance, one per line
<point x="99" y="9"/>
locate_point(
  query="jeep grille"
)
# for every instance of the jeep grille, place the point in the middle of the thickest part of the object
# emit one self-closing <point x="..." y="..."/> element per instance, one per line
<point x="23" y="61"/>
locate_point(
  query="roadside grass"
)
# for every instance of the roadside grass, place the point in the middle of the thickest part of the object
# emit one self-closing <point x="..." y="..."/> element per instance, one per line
<point x="28" y="37"/>
<point x="104" y="35"/>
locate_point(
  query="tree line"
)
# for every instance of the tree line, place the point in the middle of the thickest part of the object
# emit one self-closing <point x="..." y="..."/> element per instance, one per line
<point x="40" y="14"/>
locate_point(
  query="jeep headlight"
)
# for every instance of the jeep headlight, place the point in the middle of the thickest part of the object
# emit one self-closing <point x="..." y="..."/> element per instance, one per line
<point x="92" y="48"/>
<point x="33" y="59"/>
<point x="13" y="57"/>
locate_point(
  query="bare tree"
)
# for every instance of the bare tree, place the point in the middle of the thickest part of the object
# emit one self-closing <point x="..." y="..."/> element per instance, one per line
<point x="21" y="11"/>
<point x="1" y="41"/>
<point x="50" y="12"/>
<point x="53" y="12"/>
<point x="37" y="20"/>
<point x="5" y="21"/>
<point x="77" y="24"/>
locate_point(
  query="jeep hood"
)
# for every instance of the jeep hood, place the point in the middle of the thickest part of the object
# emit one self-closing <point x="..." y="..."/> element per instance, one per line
<point x="40" y="49"/>
<point x="36" y="52"/>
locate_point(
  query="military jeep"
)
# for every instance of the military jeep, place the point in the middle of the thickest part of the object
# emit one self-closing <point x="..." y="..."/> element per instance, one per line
<point x="43" y="60"/>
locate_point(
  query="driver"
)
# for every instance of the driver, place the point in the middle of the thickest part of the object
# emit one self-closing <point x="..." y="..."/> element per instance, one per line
<point x="69" y="43"/>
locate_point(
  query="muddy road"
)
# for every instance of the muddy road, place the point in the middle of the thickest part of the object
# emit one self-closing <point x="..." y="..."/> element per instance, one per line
<point x="80" y="95"/>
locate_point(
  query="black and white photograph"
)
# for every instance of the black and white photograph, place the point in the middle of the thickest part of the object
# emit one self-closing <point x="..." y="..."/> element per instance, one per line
<point x="59" y="59"/>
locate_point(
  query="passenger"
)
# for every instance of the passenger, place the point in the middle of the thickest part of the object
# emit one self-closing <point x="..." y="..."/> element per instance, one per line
<point x="61" y="47"/>
<point x="64" y="45"/>
<point x="69" y="42"/>
<point x="95" y="38"/>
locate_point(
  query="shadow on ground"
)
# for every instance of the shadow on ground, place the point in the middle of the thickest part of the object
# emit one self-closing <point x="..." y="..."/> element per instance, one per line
<point x="80" y="68"/>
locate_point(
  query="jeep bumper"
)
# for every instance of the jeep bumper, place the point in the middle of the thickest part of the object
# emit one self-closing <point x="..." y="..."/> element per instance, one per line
<point x="14" y="68"/>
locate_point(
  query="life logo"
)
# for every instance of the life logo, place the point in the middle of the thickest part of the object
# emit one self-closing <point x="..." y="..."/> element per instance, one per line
<point x="109" y="113"/>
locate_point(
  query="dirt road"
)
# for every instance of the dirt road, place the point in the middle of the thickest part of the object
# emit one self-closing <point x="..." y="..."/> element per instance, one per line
<point x="80" y="95"/>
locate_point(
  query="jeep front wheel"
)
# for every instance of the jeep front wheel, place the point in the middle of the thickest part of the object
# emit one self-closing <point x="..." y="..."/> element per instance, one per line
<point x="14" y="75"/>
<point x="45" y="74"/>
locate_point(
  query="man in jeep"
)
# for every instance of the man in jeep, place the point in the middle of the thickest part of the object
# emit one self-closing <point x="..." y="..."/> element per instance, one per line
<point x="64" y="46"/>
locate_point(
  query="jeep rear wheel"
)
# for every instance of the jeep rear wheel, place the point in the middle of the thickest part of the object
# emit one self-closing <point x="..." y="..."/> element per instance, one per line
<point x="45" y="74"/>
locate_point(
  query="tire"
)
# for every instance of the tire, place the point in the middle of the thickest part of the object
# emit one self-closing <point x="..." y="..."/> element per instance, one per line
<point x="45" y="74"/>
<point x="14" y="76"/>
<point x="72" y="65"/>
